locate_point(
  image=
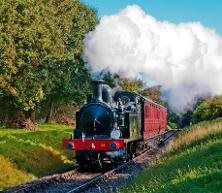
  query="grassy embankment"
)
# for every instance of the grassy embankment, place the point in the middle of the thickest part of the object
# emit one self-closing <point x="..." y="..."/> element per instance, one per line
<point x="192" y="164"/>
<point x="26" y="155"/>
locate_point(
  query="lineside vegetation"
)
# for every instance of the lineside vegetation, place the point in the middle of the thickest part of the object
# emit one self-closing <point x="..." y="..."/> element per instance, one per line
<point x="27" y="155"/>
<point x="192" y="163"/>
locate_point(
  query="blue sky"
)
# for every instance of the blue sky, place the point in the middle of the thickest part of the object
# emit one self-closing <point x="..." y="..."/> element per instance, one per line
<point x="208" y="12"/>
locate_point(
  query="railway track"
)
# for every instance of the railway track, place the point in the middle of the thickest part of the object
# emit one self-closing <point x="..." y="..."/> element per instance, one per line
<point x="68" y="179"/>
<point x="76" y="181"/>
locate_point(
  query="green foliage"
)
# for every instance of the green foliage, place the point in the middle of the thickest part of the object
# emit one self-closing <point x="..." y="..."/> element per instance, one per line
<point x="153" y="93"/>
<point x="131" y="85"/>
<point x="186" y="119"/>
<point x="126" y="84"/>
<point x="40" y="47"/>
<point x="208" y="109"/>
<point x="171" y="125"/>
<point x="193" y="167"/>
<point x="173" y="119"/>
<point x="205" y="109"/>
<point x="33" y="154"/>
<point x="10" y="174"/>
<point x="70" y="83"/>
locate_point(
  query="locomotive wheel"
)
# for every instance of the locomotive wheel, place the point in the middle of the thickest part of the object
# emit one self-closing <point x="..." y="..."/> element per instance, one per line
<point x="130" y="151"/>
<point x="100" y="163"/>
<point x="82" y="162"/>
<point x="116" y="163"/>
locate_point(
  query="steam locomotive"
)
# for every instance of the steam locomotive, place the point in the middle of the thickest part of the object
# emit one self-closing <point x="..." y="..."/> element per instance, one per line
<point x="113" y="127"/>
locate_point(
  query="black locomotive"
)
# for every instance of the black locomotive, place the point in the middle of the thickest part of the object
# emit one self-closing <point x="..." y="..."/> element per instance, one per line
<point x="112" y="127"/>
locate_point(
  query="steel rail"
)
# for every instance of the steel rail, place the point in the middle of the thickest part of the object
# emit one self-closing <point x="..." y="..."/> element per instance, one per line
<point x="35" y="184"/>
<point x="46" y="181"/>
<point x="105" y="176"/>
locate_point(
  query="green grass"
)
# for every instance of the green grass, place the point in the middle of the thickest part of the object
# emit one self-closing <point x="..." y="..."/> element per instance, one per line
<point x="26" y="155"/>
<point x="192" y="164"/>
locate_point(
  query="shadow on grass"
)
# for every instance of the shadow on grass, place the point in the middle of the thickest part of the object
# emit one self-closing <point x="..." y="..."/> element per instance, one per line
<point x="33" y="158"/>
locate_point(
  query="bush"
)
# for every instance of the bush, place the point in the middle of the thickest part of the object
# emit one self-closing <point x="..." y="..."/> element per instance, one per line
<point x="208" y="109"/>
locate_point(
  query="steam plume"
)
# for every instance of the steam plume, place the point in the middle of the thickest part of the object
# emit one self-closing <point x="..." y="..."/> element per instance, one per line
<point x="185" y="58"/>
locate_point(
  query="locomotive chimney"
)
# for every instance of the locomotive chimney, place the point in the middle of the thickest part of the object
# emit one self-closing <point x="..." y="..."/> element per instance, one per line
<point x="97" y="89"/>
<point x="101" y="91"/>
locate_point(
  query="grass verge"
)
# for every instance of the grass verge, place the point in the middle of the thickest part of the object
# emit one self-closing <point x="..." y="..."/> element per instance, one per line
<point x="192" y="164"/>
<point x="26" y="155"/>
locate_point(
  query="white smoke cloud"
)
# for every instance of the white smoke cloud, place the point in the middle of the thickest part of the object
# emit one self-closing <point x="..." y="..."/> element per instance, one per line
<point x="185" y="58"/>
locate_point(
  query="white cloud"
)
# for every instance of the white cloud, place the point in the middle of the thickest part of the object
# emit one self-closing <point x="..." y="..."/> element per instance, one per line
<point x="185" y="58"/>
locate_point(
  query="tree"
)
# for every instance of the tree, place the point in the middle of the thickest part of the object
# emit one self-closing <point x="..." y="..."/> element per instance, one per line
<point x="126" y="84"/>
<point x="173" y="119"/>
<point x="208" y="109"/>
<point x="131" y="85"/>
<point x="71" y="85"/>
<point x="41" y="44"/>
<point x="154" y="93"/>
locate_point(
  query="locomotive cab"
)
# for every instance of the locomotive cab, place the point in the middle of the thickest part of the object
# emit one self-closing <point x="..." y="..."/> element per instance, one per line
<point x="132" y="114"/>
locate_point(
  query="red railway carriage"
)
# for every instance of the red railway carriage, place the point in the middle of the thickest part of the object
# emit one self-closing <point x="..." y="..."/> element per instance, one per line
<point x="114" y="127"/>
<point x="154" y="119"/>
